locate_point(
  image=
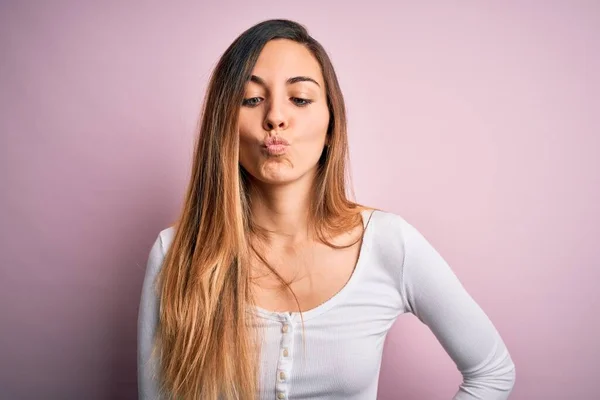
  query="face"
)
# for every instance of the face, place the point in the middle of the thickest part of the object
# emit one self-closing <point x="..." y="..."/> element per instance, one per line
<point x="285" y="99"/>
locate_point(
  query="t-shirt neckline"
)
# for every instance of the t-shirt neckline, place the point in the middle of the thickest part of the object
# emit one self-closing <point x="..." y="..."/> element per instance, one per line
<point x="336" y="298"/>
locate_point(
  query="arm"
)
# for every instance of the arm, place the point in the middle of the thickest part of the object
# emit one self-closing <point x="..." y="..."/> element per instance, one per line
<point x="433" y="293"/>
<point x="147" y="322"/>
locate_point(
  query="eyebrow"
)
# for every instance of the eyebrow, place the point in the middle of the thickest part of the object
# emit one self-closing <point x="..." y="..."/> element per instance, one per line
<point x="290" y="81"/>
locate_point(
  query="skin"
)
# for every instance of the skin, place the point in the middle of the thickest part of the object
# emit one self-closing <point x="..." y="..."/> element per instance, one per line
<point x="297" y="112"/>
<point x="281" y="185"/>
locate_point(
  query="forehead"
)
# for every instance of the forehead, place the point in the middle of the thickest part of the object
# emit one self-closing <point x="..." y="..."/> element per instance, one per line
<point x="282" y="58"/>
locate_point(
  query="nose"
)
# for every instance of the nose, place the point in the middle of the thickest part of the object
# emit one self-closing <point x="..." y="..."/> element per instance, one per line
<point x="275" y="119"/>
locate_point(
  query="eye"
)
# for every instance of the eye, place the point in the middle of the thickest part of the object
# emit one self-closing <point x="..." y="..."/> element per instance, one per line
<point x="251" y="102"/>
<point x="301" y="102"/>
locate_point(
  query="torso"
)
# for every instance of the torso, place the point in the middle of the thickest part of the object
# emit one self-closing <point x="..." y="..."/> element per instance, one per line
<point x="315" y="273"/>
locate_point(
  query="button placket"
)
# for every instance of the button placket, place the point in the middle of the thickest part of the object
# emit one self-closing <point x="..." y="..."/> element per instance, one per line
<point x="284" y="366"/>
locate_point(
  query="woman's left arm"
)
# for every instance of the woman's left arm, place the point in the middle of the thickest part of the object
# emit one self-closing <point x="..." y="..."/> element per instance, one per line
<point x="434" y="294"/>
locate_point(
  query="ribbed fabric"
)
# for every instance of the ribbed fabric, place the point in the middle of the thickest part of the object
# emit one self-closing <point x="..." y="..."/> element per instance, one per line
<point x="398" y="271"/>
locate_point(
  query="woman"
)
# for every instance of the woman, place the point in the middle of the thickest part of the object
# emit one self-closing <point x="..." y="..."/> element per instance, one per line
<point x="272" y="284"/>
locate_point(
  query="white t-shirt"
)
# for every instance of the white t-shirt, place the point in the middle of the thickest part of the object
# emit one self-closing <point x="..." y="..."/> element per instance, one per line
<point x="398" y="271"/>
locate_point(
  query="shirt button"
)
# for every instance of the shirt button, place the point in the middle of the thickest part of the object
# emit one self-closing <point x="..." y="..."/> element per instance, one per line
<point x="285" y="328"/>
<point x="281" y="395"/>
<point x="285" y="352"/>
<point x="282" y="375"/>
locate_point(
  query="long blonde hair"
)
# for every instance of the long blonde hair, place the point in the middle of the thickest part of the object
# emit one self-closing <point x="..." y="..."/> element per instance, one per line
<point x="206" y="347"/>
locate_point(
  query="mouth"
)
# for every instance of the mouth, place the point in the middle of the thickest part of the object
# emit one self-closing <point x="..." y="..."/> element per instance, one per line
<point x="276" y="149"/>
<point x="275" y="145"/>
<point x="271" y="140"/>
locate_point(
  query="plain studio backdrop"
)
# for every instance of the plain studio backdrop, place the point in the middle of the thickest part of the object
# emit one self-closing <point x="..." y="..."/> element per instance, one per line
<point x="475" y="121"/>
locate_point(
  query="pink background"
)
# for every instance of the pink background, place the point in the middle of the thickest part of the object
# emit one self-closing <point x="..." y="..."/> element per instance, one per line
<point x="476" y="122"/>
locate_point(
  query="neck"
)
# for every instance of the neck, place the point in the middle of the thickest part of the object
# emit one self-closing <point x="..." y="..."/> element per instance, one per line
<point x="283" y="210"/>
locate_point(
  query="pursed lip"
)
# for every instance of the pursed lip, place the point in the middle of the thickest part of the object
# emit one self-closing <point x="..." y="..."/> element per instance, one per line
<point x="275" y="141"/>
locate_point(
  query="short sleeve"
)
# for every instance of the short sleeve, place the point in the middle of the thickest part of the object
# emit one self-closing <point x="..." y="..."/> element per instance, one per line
<point x="434" y="294"/>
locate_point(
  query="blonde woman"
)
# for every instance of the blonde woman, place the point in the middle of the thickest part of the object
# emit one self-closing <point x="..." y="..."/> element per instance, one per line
<point x="272" y="284"/>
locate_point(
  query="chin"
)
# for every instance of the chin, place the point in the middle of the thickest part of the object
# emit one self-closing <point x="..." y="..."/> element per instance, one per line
<point x="281" y="172"/>
<point x="280" y="178"/>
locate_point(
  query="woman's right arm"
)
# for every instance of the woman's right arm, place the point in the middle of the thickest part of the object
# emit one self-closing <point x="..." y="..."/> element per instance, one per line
<point x="147" y="363"/>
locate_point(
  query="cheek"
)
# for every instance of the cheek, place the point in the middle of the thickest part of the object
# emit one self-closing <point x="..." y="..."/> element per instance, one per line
<point x="314" y="127"/>
<point x="244" y="125"/>
<point x="245" y="134"/>
<point x="246" y="148"/>
<point x="250" y="156"/>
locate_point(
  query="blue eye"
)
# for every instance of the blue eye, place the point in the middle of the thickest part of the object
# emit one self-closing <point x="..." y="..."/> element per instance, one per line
<point x="302" y="103"/>
<point x="249" y="102"/>
<point x="255" y="101"/>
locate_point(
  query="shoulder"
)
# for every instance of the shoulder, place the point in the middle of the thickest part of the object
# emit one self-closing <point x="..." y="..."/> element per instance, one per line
<point x="386" y="237"/>
<point x="394" y="233"/>
<point x="388" y="227"/>
<point x="158" y="251"/>
<point x="166" y="238"/>
<point x="393" y="226"/>
<point x="393" y="237"/>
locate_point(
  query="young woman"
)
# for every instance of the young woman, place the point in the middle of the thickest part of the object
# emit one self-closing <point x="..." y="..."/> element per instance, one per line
<point x="272" y="284"/>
